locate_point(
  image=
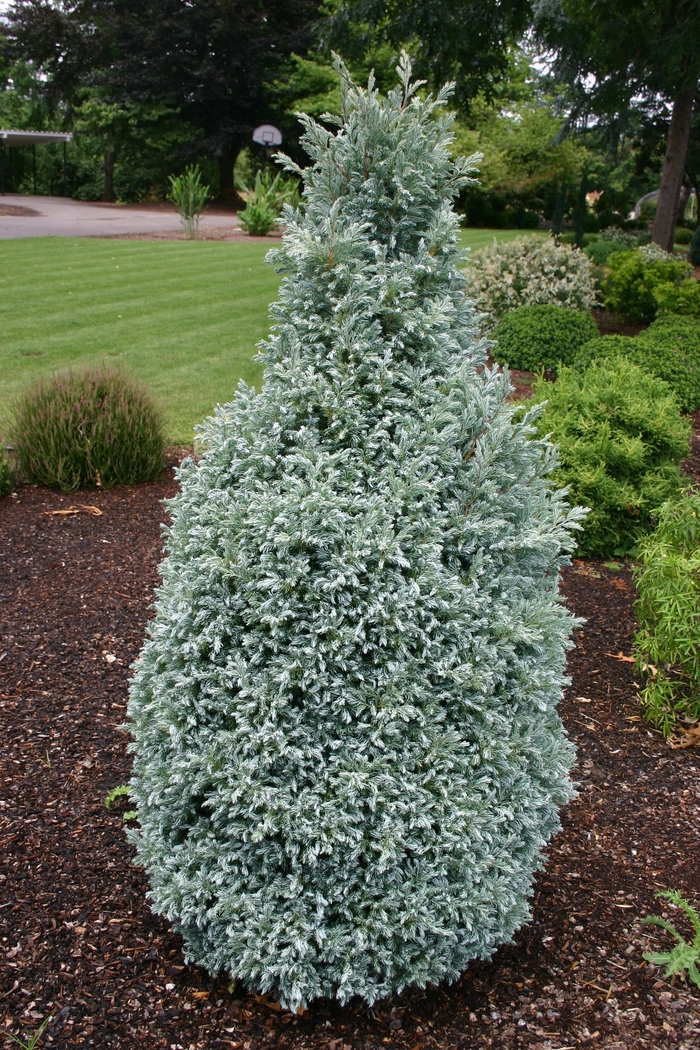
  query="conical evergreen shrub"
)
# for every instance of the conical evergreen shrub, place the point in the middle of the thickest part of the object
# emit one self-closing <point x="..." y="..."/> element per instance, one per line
<point x="347" y="752"/>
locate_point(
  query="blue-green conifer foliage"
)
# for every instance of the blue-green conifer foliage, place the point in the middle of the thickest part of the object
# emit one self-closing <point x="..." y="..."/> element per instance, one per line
<point x="347" y="752"/>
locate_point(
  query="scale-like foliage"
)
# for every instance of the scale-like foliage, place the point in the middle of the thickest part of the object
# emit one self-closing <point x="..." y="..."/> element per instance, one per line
<point x="348" y="756"/>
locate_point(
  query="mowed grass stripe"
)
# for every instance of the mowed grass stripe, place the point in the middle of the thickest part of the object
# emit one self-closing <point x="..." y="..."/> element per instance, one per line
<point x="184" y="317"/>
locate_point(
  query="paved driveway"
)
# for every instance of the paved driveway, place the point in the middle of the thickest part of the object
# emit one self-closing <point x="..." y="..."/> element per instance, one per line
<point x="62" y="217"/>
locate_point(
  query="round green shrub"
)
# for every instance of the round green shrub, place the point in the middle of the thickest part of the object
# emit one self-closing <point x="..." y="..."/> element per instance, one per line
<point x="682" y="299"/>
<point x="600" y="251"/>
<point x="629" y="289"/>
<point x="87" y="429"/>
<point x="669" y="348"/>
<point x="621" y="437"/>
<point x="539" y="337"/>
<point x="682" y="235"/>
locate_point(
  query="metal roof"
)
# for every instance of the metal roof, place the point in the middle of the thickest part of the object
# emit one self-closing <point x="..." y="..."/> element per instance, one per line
<point x="33" y="138"/>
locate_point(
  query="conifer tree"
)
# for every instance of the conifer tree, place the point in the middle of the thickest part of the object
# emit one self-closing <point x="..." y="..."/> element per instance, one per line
<point x="347" y="752"/>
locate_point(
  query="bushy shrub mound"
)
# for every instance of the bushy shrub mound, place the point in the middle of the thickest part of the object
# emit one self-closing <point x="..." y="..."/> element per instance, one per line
<point x="669" y="348"/>
<point x="526" y="272"/>
<point x="539" y="337"/>
<point x="668" y="610"/>
<point x="682" y="235"/>
<point x="347" y="753"/>
<point x="629" y="288"/>
<point x="7" y="474"/>
<point x="682" y="299"/>
<point x="610" y="241"/>
<point x="620" y="436"/>
<point x="82" y="429"/>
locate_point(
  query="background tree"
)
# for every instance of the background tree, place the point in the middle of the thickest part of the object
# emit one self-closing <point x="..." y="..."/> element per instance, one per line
<point x="208" y="60"/>
<point x="615" y="52"/>
<point x="462" y="40"/>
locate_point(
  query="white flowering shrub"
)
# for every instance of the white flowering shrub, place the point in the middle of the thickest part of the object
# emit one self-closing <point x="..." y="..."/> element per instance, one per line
<point x="528" y="271"/>
<point x="347" y="751"/>
<point x="655" y="253"/>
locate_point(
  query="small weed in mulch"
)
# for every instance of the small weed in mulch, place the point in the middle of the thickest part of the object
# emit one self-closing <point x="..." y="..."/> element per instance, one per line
<point x="78" y="942"/>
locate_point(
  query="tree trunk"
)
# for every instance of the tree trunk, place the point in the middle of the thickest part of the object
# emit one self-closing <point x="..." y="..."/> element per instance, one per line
<point x="227" y="159"/>
<point x="108" y="189"/>
<point x="674" y="166"/>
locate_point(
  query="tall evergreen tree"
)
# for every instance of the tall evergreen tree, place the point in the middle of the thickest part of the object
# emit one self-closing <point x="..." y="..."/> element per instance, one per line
<point x="209" y="60"/>
<point x="618" y="52"/>
<point x="347" y="752"/>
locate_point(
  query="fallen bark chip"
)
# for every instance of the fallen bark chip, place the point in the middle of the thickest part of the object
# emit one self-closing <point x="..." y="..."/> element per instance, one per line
<point x="85" y="508"/>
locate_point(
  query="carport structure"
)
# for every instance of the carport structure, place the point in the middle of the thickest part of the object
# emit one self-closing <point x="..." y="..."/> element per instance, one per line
<point x="10" y="139"/>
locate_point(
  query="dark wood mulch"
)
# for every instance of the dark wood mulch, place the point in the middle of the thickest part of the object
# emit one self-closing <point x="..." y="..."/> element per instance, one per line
<point x="611" y="324"/>
<point x="78" y="941"/>
<point x="16" y="209"/>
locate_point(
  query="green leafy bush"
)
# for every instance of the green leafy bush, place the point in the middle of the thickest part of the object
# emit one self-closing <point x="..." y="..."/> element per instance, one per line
<point x="669" y="348"/>
<point x="7" y="474"/>
<point x="600" y="251"/>
<point x="189" y="195"/>
<point x="265" y="200"/>
<point x="695" y="247"/>
<point x="682" y="299"/>
<point x="682" y="235"/>
<point x="621" y="437"/>
<point x="526" y="272"/>
<point x="96" y="427"/>
<point x="611" y="240"/>
<point x="347" y="752"/>
<point x="539" y="337"/>
<point x="668" y="610"/>
<point x="629" y="289"/>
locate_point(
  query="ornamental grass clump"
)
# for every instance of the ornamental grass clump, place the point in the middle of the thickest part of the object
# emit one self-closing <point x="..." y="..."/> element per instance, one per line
<point x="529" y="271"/>
<point x="84" y="429"/>
<point x="7" y="474"/>
<point x="347" y="752"/>
<point x="620" y="436"/>
<point x="668" y="610"/>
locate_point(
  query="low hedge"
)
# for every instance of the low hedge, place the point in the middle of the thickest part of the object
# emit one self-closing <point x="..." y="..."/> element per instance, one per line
<point x="669" y="348"/>
<point x="539" y="337"/>
<point x="620" y="436"/>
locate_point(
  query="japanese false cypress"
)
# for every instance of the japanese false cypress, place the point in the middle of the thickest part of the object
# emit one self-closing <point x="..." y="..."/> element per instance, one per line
<point x="347" y="752"/>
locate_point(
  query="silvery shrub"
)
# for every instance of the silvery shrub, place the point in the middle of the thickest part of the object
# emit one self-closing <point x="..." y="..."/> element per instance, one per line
<point x="347" y="752"/>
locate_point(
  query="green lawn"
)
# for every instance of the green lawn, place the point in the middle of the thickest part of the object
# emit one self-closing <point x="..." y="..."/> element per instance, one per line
<point x="182" y="316"/>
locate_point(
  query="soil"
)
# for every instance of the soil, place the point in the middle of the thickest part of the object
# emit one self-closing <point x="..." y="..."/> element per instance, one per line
<point x="78" y="942"/>
<point x="206" y="233"/>
<point x="16" y="209"/>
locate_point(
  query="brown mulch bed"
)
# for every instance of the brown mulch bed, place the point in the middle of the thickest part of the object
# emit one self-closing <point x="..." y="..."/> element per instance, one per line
<point x="16" y="209"/>
<point x="611" y="324"/>
<point x="78" y="941"/>
<point x="206" y="233"/>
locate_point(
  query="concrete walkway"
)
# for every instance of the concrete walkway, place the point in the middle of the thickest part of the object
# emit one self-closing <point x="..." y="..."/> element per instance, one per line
<point x="62" y="217"/>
